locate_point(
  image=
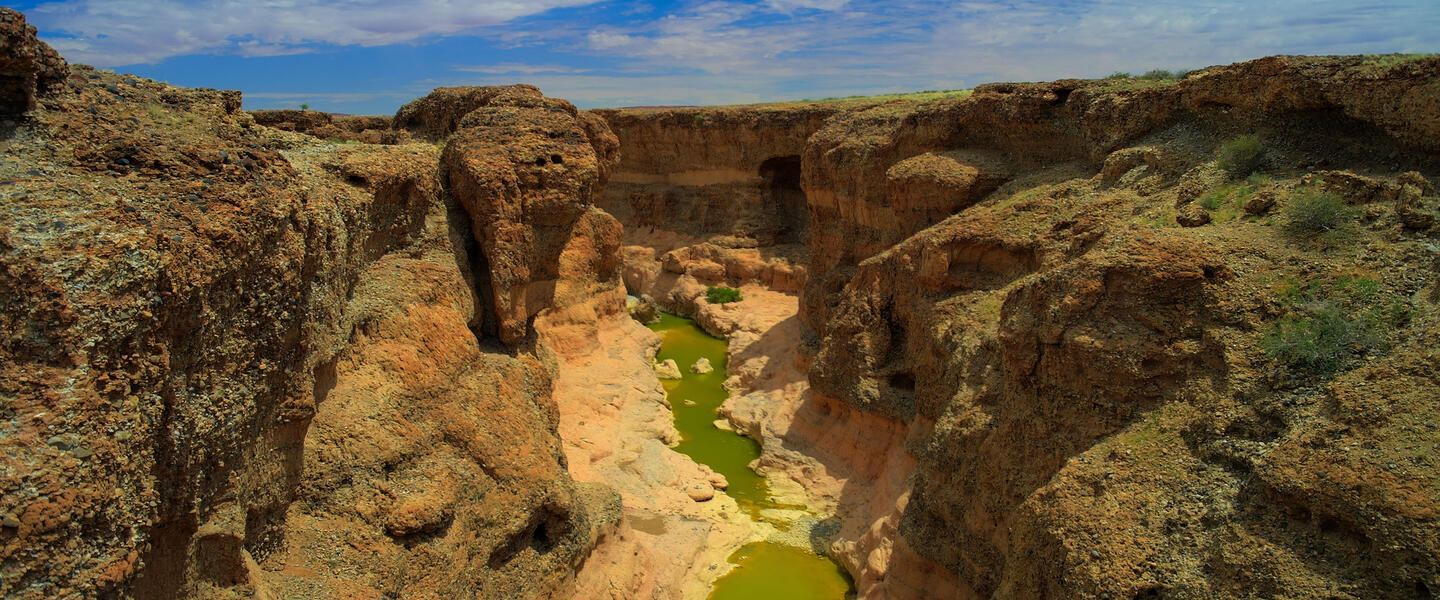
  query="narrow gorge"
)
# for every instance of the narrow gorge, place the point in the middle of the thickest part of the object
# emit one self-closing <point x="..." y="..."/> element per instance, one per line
<point x="1030" y="340"/>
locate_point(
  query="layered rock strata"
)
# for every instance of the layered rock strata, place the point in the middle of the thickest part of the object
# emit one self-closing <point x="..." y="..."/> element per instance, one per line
<point x="1086" y="394"/>
<point x="1082" y="389"/>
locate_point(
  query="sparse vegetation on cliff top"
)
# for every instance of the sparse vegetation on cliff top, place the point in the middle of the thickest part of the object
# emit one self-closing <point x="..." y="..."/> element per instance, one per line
<point x="719" y="294"/>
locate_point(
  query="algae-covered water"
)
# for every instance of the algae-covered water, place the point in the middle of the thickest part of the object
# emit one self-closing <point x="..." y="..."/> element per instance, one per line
<point x="763" y="570"/>
<point x="766" y="570"/>
<point x="694" y="400"/>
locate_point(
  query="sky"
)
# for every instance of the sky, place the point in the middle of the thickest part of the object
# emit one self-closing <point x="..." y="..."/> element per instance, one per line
<point x="371" y="56"/>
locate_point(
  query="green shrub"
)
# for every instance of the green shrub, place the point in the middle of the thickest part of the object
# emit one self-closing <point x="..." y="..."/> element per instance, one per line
<point x="1214" y="200"/>
<point x="719" y="294"/>
<point x="1310" y="213"/>
<point x="1241" y="156"/>
<point x="1324" y="333"/>
<point x="1322" y="338"/>
<point x="1158" y="74"/>
<point x="1119" y="75"/>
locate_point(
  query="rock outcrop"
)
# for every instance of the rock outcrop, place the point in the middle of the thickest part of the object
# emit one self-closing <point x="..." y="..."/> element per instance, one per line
<point x="239" y="362"/>
<point x="526" y="168"/>
<point x="326" y="126"/>
<point x="1000" y="285"/>
<point x="1086" y="395"/>
<point x="28" y="66"/>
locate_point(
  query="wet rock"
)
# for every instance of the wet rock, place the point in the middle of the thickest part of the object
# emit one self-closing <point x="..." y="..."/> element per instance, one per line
<point x="702" y="366"/>
<point x="718" y="481"/>
<point x="645" y="310"/>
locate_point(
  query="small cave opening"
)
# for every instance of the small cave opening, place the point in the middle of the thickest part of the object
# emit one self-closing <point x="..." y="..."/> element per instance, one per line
<point x="557" y="159"/>
<point x="546" y="530"/>
<point x="903" y="381"/>
<point x="780" y="181"/>
<point x="540" y="161"/>
<point x="541" y="540"/>
<point x="356" y="180"/>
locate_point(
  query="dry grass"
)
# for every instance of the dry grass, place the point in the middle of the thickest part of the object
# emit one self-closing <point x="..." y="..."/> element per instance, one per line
<point x="1375" y="62"/>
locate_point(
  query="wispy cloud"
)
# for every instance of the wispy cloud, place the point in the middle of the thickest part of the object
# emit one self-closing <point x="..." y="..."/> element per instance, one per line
<point x="517" y="68"/>
<point x="609" y="52"/>
<point x="121" y="32"/>
<point x="875" y="45"/>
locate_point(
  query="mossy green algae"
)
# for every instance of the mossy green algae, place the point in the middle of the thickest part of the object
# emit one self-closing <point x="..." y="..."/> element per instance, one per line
<point x="763" y="570"/>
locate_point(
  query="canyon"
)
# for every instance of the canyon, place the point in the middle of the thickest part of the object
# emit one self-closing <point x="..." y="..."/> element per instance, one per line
<point x="1033" y="340"/>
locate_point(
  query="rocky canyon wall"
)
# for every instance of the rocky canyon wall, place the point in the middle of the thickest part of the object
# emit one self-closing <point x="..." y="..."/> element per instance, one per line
<point x="1090" y="403"/>
<point x="1017" y="286"/>
<point x="241" y="362"/>
<point x="713" y="171"/>
<point x="1038" y="350"/>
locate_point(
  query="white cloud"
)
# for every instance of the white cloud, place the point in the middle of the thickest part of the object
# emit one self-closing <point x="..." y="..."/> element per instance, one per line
<point x="792" y="5"/>
<point x="877" y="45"/>
<point x="118" y="32"/>
<point x="518" y="68"/>
<point x="606" y="40"/>
<point x="719" y="51"/>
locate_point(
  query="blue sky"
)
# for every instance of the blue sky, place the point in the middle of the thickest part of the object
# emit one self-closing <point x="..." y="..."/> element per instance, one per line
<point x="371" y="56"/>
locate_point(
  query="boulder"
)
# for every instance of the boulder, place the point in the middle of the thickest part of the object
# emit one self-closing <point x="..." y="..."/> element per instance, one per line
<point x="645" y="310"/>
<point x="700" y="492"/>
<point x="1260" y="203"/>
<point x="1192" y="216"/>
<point x="702" y="366"/>
<point x="667" y="369"/>
<point x="718" y="481"/>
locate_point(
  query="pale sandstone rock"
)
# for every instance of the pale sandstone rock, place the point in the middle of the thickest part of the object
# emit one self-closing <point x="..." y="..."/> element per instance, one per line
<point x="702" y="366"/>
<point x="700" y="493"/>
<point x="667" y="369"/>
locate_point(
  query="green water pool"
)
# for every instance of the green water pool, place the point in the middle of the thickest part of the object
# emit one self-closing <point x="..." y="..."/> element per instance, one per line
<point x="763" y="570"/>
<point x="694" y="400"/>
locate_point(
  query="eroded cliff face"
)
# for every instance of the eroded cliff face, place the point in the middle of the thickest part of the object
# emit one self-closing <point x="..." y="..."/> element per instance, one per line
<point x="1088" y="402"/>
<point x="1028" y="379"/>
<point x="240" y="362"/>
<point x="707" y="171"/>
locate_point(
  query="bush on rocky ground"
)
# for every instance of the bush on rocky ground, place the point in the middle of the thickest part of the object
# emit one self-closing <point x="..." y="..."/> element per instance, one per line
<point x="1310" y="213"/>
<point x="719" y="294"/>
<point x="1241" y="156"/>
